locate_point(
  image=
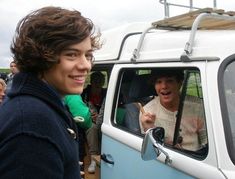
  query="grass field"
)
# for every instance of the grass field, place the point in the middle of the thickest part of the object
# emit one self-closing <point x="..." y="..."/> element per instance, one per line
<point x="4" y="70"/>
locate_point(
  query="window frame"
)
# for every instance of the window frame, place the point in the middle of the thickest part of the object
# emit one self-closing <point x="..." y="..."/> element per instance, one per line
<point x="116" y="99"/>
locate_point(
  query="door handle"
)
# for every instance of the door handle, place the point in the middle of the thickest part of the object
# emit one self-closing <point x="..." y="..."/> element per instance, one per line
<point x="105" y="159"/>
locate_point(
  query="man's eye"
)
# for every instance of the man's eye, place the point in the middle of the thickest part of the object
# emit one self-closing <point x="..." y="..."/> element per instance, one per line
<point x="89" y="57"/>
<point x="158" y="81"/>
<point x="170" y="80"/>
<point x="71" y="54"/>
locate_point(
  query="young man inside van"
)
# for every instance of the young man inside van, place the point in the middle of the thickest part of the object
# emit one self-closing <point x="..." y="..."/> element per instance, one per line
<point x="162" y="111"/>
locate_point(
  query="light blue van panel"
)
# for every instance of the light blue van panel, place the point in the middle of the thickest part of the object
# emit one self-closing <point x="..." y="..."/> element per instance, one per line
<point x="129" y="165"/>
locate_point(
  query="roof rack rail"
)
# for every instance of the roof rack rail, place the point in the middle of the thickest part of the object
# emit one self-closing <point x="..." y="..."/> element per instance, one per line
<point x="190" y="6"/>
<point x="203" y="19"/>
<point x="136" y="52"/>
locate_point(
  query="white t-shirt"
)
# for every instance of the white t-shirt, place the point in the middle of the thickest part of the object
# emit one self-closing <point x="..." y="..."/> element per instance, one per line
<point x="192" y="129"/>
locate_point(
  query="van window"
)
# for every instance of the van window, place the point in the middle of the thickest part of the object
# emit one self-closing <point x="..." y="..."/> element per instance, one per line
<point x="228" y="110"/>
<point x="106" y="75"/>
<point x="185" y="125"/>
<point x="190" y="133"/>
<point x="134" y="88"/>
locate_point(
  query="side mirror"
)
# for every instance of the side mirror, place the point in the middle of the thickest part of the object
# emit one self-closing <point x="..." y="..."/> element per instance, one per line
<point x="159" y="135"/>
<point x="152" y="145"/>
<point x="147" y="149"/>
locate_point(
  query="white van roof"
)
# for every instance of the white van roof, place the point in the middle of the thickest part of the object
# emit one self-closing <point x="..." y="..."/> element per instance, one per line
<point x="179" y="36"/>
<point x="112" y="39"/>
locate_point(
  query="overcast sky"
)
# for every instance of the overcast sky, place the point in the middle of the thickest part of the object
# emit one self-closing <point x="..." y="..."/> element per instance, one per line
<point x="104" y="13"/>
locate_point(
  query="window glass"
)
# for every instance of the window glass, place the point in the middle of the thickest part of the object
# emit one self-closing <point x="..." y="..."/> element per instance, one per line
<point x="191" y="134"/>
<point x="105" y="73"/>
<point x="229" y="89"/>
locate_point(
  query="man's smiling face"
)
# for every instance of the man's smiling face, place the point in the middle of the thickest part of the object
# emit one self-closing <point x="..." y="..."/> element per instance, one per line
<point x="167" y="89"/>
<point x="68" y="76"/>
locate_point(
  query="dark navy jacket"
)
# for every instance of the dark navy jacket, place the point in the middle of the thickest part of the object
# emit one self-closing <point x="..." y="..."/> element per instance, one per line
<point x="34" y="139"/>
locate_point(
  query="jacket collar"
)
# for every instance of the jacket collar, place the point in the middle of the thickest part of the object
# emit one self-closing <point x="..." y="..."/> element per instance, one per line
<point x="29" y="84"/>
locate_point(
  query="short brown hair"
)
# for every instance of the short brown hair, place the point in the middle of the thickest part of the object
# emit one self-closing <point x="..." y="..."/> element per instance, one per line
<point x="167" y="72"/>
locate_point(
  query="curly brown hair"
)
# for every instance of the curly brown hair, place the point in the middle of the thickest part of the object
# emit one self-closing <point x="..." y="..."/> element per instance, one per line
<point x="44" y="33"/>
<point x="3" y="83"/>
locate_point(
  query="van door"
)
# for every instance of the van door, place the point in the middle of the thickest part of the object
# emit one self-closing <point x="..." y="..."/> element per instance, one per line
<point x="121" y="131"/>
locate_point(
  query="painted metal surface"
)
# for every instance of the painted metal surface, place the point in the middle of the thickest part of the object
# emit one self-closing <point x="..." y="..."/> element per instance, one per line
<point x="129" y="165"/>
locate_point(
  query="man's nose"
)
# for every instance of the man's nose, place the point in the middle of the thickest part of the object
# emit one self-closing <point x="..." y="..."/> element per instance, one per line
<point x="164" y="84"/>
<point x="84" y="63"/>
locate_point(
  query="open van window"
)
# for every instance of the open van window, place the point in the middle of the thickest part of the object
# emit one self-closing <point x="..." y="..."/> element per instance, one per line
<point x="134" y="88"/>
<point x="185" y="127"/>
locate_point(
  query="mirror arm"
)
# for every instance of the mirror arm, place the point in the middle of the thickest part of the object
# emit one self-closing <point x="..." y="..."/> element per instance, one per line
<point x="158" y="148"/>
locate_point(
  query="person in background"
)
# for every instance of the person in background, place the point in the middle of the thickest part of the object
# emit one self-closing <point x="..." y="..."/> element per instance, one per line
<point x="13" y="70"/>
<point x="94" y="93"/>
<point x="3" y="75"/>
<point x="2" y="90"/>
<point x="82" y="116"/>
<point x="161" y="111"/>
<point x="79" y="110"/>
<point x="94" y="96"/>
<point x="53" y="49"/>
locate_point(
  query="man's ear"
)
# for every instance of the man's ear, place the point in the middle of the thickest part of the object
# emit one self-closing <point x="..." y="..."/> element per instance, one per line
<point x="180" y="84"/>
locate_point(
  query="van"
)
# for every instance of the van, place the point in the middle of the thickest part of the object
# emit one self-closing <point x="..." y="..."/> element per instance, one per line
<point x="201" y="43"/>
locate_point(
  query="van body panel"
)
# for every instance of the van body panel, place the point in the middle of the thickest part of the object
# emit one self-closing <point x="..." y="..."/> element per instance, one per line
<point x="162" y="44"/>
<point x="117" y="138"/>
<point x="164" y="49"/>
<point x="129" y="165"/>
<point x="124" y="152"/>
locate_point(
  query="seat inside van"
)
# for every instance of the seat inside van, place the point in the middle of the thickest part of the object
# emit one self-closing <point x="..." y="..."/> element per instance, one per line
<point x="140" y="90"/>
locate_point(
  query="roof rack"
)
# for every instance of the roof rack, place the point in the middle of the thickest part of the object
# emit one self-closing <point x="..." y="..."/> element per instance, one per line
<point x="203" y="19"/>
<point x="185" y="21"/>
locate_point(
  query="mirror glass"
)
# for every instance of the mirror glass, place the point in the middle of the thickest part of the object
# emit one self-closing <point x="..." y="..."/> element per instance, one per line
<point x="148" y="151"/>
